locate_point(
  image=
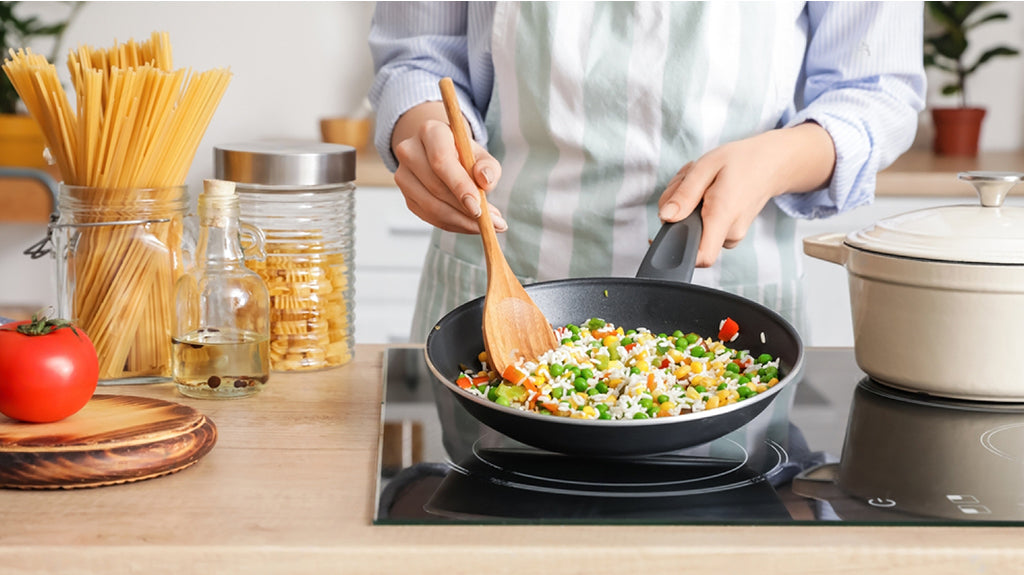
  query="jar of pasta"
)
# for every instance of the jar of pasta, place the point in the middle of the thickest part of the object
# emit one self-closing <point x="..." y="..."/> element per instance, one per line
<point x="302" y="195"/>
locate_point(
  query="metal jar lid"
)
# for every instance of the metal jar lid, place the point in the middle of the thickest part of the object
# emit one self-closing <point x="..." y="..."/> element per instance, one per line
<point x="989" y="233"/>
<point x="285" y="163"/>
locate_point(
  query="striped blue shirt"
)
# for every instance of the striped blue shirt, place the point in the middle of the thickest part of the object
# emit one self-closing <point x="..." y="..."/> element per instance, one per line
<point x="861" y="78"/>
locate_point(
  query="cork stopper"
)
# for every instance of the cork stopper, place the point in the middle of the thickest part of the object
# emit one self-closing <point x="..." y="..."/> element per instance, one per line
<point x="218" y="188"/>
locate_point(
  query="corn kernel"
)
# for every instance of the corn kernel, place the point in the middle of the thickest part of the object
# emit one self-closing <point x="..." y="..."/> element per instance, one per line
<point x="546" y="390"/>
<point x="642" y="365"/>
<point x="620" y="331"/>
<point x="610" y="341"/>
<point x="667" y="406"/>
<point x="615" y="364"/>
<point x="675" y="355"/>
<point x="692" y="393"/>
<point x="681" y="371"/>
<point x="611" y="399"/>
<point x="712" y="402"/>
<point x="701" y="380"/>
<point x="542" y="370"/>
<point x="761" y="388"/>
<point x="718" y="348"/>
<point x="722" y="395"/>
<point x="696" y="366"/>
<point x="577" y="415"/>
<point x="734" y="395"/>
<point x="590" y="411"/>
<point x="773" y="381"/>
<point x="644" y="337"/>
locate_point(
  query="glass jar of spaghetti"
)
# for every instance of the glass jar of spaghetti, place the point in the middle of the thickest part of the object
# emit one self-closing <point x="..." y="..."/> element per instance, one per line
<point x="119" y="253"/>
<point x="302" y="195"/>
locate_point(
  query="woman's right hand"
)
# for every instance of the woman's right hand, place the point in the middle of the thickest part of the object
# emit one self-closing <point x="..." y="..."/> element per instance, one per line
<point x="435" y="185"/>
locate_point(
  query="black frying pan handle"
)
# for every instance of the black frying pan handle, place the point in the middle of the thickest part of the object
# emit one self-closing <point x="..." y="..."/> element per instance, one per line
<point x="673" y="252"/>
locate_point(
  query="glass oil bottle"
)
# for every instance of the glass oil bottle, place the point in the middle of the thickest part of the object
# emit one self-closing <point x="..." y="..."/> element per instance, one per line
<point x="222" y="323"/>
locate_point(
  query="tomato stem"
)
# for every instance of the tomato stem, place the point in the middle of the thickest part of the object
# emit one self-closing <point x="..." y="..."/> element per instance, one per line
<point x="42" y="325"/>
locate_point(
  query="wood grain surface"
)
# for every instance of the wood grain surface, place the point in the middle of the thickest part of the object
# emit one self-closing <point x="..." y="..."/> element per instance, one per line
<point x="290" y="489"/>
<point x="113" y="439"/>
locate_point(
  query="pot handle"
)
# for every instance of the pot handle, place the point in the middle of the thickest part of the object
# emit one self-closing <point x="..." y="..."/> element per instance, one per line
<point x="673" y="253"/>
<point x="818" y="482"/>
<point x="828" y="247"/>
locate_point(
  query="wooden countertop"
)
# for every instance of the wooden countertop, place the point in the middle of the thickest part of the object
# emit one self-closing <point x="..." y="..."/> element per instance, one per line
<point x="289" y="488"/>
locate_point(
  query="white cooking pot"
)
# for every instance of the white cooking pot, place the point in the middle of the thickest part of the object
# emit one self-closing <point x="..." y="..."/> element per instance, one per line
<point x="937" y="295"/>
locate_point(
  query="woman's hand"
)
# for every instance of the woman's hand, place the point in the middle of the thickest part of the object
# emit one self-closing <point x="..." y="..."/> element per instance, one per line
<point x="736" y="180"/>
<point x="435" y="185"/>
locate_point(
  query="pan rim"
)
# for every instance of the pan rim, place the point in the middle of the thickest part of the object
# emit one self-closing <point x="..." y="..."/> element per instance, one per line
<point x="794" y="373"/>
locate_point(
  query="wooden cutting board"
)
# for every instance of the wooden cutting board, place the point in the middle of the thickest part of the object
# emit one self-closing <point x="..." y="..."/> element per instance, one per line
<point x="113" y="439"/>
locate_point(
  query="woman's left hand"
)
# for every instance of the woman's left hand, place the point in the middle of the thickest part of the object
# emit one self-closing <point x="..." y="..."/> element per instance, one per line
<point x="737" y="179"/>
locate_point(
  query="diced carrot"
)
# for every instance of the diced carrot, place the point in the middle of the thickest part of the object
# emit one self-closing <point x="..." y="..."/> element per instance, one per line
<point x="550" y="406"/>
<point x="650" y="382"/>
<point x="513" y="374"/>
<point x="728" y="329"/>
<point x="463" y="381"/>
<point x="480" y="379"/>
<point x="665" y="363"/>
<point x="528" y="384"/>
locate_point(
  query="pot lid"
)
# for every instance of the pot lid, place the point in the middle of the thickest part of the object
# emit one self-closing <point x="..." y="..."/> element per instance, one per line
<point x="989" y="233"/>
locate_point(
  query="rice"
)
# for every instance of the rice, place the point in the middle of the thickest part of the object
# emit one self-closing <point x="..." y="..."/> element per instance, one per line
<point x="601" y="371"/>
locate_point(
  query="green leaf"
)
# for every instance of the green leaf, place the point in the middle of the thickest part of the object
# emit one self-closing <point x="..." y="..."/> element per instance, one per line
<point x="994" y="16"/>
<point x="992" y="53"/>
<point x="950" y="89"/>
<point x="950" y="45"/>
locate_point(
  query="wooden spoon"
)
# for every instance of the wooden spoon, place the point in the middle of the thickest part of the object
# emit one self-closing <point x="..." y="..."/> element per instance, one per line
<point x="513" y="325"/>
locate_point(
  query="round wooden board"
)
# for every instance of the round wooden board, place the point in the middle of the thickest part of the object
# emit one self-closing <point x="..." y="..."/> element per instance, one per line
<point x="113" y="439"/>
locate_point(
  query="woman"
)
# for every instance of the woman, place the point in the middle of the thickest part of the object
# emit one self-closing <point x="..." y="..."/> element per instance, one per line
<point x="595" y="122"/>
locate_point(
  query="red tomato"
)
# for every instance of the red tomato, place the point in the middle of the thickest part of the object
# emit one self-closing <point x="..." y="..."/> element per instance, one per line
<point x="45" y="377"/>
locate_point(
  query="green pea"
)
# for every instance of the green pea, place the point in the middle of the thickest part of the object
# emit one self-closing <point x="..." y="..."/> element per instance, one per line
<point x="557" y="393"/>
<point x="640" y="415"/>
<point x="482" y="388"/>
<point x="573" y="328"/>
<point x="692" y="338"/>
<point x="677" y="334"/>
<point x="626" y="341"/>
<point x="566" y="340"/>
<point x="744" y="391"/>
<point x="647" y="402"/>
<point x="601" y="387"/>
<point x="743" y="379"/>
<point x="492" y="393"/>
<point x="634" y="370"/>
<point x="652" y="411"/>
<point x="603" y="415"/>
<point x="662" y="349"/>
<point x="580" y="384"/>
<point x="573" y="369"/>
<point x="586" y="373"/>
<point x="502" y="401"/>
<point x="543" y="411"/>
<point x="764" y="358"/>
<point x="663" y="398"/>
<point x="722" y="386"/>
<point x="575" y="337"/>
<point x="697" y="351"/>
<point x="556" y="369"/>
<point x="732" y="367"/>
<point x="700" y="388"/>
<point x="662" y="335"/>
<point x="595" y="323"/>
<point x="631" y="332"/>
<point x="602" y="407"/>
<point x="593" y="391"/>
<point x="681" y="344"/>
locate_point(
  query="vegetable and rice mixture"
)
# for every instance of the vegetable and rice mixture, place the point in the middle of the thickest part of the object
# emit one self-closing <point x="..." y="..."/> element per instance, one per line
<point x="601" y="371"/>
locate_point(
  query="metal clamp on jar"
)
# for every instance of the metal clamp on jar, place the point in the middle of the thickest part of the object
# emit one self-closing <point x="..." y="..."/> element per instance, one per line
<point x="302" y="195"/>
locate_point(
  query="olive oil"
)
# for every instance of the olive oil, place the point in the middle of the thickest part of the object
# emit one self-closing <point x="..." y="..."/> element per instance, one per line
<point x="211" y="363"/>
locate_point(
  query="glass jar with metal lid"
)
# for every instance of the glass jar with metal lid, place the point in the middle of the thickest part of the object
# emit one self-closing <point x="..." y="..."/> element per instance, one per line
<point x="302" y="195"/>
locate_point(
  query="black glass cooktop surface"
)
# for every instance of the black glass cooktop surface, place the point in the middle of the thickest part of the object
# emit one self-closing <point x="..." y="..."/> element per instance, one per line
<point x="833" y="448"/>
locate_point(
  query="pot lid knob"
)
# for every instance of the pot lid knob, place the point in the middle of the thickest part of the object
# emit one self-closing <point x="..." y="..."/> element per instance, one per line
<point x="992" y="187"/>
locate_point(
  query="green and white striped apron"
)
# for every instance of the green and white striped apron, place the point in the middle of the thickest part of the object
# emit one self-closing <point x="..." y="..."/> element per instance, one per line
<point x="595" y="107"/>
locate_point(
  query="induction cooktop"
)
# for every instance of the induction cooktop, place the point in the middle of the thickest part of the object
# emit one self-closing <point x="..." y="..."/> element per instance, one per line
<point x="834" y="448"/>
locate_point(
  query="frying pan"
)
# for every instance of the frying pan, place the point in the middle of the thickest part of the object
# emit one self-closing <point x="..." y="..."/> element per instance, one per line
<point x="661" y="299"/>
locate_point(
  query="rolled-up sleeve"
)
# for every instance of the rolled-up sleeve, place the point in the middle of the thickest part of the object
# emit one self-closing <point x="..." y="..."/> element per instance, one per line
<point x="414" y="45"/>
<point x="865" y="84"/>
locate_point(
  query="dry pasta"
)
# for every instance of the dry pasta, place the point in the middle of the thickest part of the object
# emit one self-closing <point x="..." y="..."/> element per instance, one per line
<point x="309" y="322"/>
<point x="131" y="135"/>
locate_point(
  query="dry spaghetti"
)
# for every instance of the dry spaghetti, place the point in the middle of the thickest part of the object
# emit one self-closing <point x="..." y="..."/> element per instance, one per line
<point x="128" y="142"/>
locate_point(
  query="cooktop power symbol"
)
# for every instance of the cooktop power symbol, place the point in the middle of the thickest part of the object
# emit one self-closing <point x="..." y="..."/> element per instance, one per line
<point x="881" y="502"/>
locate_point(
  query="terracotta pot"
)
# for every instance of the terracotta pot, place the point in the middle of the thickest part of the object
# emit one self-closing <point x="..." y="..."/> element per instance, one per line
<point x="925" y="283"/>
<point x="957" y="130"/>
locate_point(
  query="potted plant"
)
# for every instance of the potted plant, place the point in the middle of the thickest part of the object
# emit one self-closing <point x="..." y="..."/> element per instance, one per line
<point x="21" y="140"/>
<point x="957" y="129"/>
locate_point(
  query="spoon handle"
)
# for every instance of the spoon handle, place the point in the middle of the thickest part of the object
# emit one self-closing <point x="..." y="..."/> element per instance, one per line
<point x="465" y="149"/>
